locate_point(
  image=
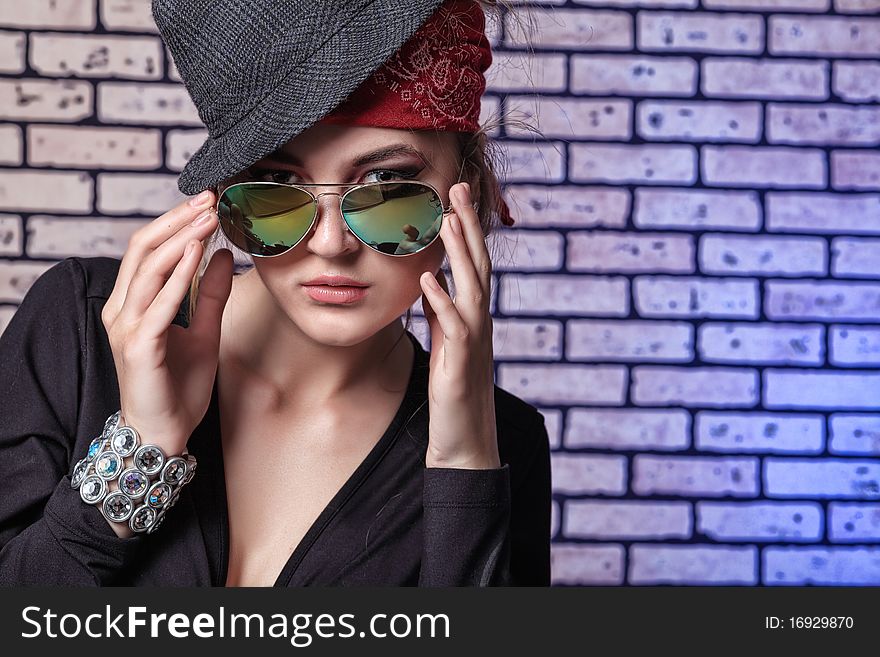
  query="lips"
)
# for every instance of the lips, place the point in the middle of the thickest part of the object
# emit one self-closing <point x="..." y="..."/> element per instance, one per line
<point x="334" y="281"/>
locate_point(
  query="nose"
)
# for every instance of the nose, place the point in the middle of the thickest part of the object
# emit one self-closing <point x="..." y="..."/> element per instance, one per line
<point x="330" y="234"/>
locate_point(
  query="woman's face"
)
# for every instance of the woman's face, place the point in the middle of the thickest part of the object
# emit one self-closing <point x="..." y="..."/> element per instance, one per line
<point x="340" y="154"/>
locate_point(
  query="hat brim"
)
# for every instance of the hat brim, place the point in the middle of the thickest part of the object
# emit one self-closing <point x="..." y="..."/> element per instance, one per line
<point x="320" y="84"/>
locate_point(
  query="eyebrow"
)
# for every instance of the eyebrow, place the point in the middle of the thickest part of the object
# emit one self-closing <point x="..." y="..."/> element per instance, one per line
<point x="379" y="155"/>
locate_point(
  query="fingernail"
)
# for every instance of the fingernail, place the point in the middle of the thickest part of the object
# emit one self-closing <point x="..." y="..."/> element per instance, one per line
<point x="432" y="281"/>
<point x="200" y="200"/>
<point x="203" y="218"/>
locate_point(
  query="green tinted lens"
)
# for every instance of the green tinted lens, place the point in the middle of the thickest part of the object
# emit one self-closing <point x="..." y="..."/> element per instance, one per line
<point x="397" y="218"/>
<point x="265" y="219"/>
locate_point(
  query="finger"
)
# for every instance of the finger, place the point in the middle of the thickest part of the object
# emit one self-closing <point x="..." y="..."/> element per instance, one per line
<point x="469" y="295"/>
<point x="148" y="238"/>
<point x="155" y="268"/>
<point x="473" y="236"/>
<point x="166" y="304"/>
<point x="214" y="289"/>
<point x="453" y="327"/>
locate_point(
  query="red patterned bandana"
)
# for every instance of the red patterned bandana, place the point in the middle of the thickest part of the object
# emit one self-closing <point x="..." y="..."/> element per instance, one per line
<point x="433" y="82"/>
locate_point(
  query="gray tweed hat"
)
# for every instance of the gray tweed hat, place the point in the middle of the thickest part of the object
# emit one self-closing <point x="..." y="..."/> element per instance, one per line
<point x="262" y="71"/>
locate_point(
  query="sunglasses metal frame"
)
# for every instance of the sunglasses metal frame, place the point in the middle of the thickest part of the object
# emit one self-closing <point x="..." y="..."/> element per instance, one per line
<point x="353" y="186"/>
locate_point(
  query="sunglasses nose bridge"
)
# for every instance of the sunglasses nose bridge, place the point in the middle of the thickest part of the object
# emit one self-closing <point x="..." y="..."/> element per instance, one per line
<point x="345" y="225"/>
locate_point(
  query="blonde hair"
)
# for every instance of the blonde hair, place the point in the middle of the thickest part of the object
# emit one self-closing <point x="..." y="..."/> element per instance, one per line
<point x="481" y="165"/>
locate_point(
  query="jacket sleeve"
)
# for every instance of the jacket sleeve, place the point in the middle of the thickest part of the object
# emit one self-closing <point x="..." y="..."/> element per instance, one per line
<point x="480" y="532"/>
<point x="48" y="535"/>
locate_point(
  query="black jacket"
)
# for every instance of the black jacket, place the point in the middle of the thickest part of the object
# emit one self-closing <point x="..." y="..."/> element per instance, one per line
<point x="394" y="522"/>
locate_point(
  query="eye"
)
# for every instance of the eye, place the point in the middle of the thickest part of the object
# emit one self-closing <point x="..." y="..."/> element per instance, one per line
<point x="271" y="175"/>
<point x="385" y="175"/>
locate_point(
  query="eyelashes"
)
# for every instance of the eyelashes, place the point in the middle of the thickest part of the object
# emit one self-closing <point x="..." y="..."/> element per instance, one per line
<point x="403" y="173"/>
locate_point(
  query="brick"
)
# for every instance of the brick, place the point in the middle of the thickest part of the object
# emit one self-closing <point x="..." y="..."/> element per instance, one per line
<point x="823" y="124"/>
<point x="802" y="566"/>
<point x="815" y="389"/>
<point x="761" y="343"/>
<point x="757" y="432"/>
<point x="533" y="162"/>
<point x="857" y="82"/>
<point x="565" y="384"/>
<point x="629" y="340"/>
<point x="736" y="77"/>
<point x="60" y="237"/>
<point x="694" y="386"/>
<point x="764" y="166"/>
<point x="580" y="29"/>
<point x="581" y="118"/>
<point x="553" y="422"/>
<point x="699" y="31"/>
<point x="29" y="99"/>
<point x="105" y="55"/>
<point x="818" y="36"/>
<point x="11" y="145"/>
<point x="12" y="52"/>
<point x="690" y="296"/>
<point x="859" y="170"/>
<point x="857" y="257"/>
<point x="16" y="278"/>
<point x="636" y="163"/>
<point x="152" y="104"/>
<point x="633" y="75"/>
<point x="91" y="148"/>
<point x="137" y="193"/>
<point x="48" y="14"/>
<point x="546" y="294"/>
<point x="708" y="476"/>
<point x="856" y="6"/>
<point x="11" y="236"/>
<point x="693" y="564"/>
<point x="760" y="521"/>
<point x="822" y="300"/>
<point x="697" y="209"/>
<point x="854" y="345"/>
<point x="853" y="522"/>
<point x="626" y="520"/>
<point x="534" y="339"/>
<point x="815" y="478"/>
<point x="593" y="474"/>
<point x="531" y="251"/>
<point x="25" y="190"/>
<point x="699" y="120"/>
<point x="628" y="429"/>
<point x="721" y="253"/>
<point x="611" y="251"/>
<point x="180" y="145"/>
<point x="533" y="73"/>
<point x="854" y="433"/>
<point x="586" y="565"/>
<point x="800" y="212"/>
<point x="769" y="5"/>
<point x="127" y="15"/>
<point x="490" y="115"/>
<point x="578" y="206"/>
<point x="684" y="4"/>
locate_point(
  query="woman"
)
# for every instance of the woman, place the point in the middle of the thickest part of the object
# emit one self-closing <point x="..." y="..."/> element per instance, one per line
<point x="331" y="448"/>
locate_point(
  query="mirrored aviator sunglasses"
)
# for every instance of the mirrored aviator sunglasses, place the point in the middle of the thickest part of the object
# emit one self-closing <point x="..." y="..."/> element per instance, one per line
<point x="267" y="219"/>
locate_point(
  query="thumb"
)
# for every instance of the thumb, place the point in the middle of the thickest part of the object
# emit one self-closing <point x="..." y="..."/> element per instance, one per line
<point x="214" y="289"/>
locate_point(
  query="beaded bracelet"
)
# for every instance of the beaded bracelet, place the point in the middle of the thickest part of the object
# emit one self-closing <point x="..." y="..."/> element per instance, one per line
<point x="146" y="490"/>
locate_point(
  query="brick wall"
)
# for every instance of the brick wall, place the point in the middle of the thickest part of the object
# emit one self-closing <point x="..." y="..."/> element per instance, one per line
<point x="691" y="293"/>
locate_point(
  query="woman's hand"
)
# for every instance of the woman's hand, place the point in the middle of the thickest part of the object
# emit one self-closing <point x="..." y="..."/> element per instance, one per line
<point x="165" y="371"/>
<point x="461" y="392"/>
